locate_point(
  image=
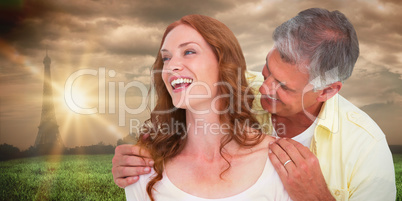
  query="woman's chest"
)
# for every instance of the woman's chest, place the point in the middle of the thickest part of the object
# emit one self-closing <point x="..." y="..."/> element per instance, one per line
<point x="214" y="180"/>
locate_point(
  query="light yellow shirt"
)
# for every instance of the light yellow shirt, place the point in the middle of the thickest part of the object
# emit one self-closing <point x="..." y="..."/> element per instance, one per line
<point x="255" y="80"/>
<point x="352" y="150"/>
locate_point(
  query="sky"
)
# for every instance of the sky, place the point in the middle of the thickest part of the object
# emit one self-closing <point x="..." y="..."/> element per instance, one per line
<point x="102" y="51"/>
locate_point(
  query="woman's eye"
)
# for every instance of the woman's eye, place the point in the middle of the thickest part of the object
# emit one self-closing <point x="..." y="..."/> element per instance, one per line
<point x="187" y="52"/>
<point x="165" y="59"/>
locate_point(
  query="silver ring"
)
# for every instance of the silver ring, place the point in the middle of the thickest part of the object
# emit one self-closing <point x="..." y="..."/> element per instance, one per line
<point x="288" y="161"/>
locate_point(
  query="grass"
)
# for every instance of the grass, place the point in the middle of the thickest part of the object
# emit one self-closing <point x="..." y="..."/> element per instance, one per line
<point x="398" y="175"/>
<point x="70" y="177"/>
<point x="79" y="177"/>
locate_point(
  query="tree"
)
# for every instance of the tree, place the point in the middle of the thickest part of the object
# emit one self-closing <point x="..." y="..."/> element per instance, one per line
<point x="9" y="152"/>
<point x="129" y="139"/>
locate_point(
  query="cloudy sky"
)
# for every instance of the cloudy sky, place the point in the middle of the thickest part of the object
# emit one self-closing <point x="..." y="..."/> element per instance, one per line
<point x="100" y="48"/>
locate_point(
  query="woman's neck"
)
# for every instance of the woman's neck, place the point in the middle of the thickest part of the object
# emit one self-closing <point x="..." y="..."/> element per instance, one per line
<point x="204" y="134"/>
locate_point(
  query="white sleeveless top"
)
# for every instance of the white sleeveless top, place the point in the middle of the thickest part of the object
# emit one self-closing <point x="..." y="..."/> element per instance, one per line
<point x="267" y="187"/>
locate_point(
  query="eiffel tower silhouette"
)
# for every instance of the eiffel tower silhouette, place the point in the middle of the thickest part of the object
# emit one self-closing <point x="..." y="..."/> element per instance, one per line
<point x="48" y="140"/>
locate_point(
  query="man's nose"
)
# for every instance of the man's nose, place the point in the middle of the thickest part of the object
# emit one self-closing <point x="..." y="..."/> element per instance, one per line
<point x="269" y="86"/>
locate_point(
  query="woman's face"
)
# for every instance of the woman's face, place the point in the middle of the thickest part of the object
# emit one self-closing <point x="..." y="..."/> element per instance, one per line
<point x="190" y="69"/>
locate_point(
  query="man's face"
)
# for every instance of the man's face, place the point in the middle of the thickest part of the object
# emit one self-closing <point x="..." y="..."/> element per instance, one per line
<point x="285" y="91"/>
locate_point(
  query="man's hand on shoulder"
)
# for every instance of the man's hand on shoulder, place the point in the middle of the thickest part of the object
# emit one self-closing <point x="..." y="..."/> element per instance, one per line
<point x="128" y="163"/>
<point x="299" y="170"/>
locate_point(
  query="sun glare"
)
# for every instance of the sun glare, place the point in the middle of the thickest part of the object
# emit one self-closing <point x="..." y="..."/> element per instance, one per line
<point x="75" y="125"/>
<point x="79" y="98"/>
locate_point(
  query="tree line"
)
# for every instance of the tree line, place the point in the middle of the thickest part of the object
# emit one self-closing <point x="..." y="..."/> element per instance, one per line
<point x="8" y="152"/>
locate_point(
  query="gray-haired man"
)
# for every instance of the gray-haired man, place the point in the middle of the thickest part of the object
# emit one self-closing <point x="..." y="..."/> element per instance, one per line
<point x="328" y="148"/>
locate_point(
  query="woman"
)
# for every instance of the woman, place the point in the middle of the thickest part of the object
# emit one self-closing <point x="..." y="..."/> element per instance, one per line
<point x="203" y="140"/>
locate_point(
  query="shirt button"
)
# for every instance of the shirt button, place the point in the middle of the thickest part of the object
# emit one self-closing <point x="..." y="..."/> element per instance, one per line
<point x="337" y="193"/>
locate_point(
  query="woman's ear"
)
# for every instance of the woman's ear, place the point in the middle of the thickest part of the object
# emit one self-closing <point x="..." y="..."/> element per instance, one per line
<point x="329" y="91"/>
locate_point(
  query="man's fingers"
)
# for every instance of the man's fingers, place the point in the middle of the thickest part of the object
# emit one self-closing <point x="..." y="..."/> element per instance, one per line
<point x="135" y="161"/>
<point x="124" y="149"/>
<point x="304" y="151"/>
<point x="145" y="136"/>
<point x="130" y="160"/>
<point x="291" y="150"/>
<point x="282" y="157"/>
<point x="124" y="182"/>
<point x="139" y="151"/>
<point x="280" y="169"/>
<point x="123" y="172"/>
<point x="129" y="155"/>
<point x="128" y="149"/>
<point x="278" y="151"/>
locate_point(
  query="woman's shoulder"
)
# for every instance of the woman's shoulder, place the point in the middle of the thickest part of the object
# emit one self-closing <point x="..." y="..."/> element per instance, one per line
<point x="263" y="145"/>
<point x="138" y="190"/>
<point x="264" y="139"/>
<point x="267" y="139"/>
<point x="258" y="151"/>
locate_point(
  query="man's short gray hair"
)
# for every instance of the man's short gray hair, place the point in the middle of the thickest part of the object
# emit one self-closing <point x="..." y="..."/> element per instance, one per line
<point x="323" y="43"/>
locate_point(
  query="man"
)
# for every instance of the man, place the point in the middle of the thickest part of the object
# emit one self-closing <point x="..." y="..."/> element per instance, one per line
<point x="345" y="154"/>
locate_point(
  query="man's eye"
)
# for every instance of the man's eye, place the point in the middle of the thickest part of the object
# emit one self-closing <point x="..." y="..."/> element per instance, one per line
<point x="283" y="86"/>
<point x="187" y="52"/>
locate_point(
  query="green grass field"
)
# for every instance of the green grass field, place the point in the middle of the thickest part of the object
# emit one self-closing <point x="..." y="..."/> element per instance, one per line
<point x="77" y="177"/>
<point x="70" y="177"/>
<point x="398" y="175"/>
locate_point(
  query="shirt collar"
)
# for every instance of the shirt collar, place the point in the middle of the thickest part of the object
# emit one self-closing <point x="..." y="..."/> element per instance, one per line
<point x="328" y="118"/>
<point x="327" y="124"/>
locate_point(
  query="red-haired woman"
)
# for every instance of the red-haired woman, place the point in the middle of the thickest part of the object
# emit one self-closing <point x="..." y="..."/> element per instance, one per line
<point x="205" y="143"/>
